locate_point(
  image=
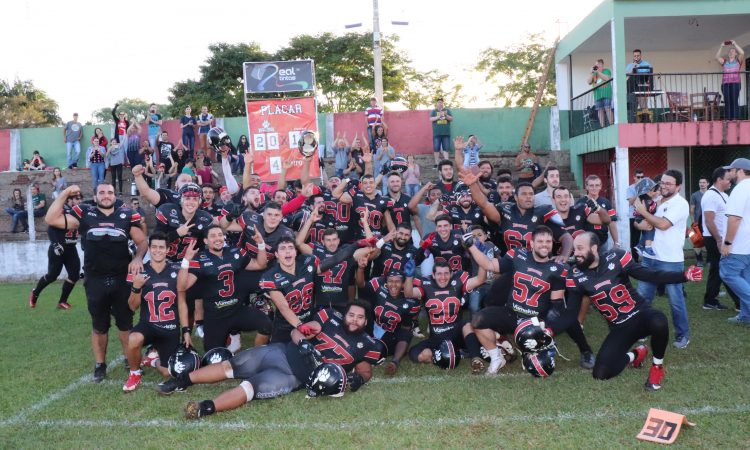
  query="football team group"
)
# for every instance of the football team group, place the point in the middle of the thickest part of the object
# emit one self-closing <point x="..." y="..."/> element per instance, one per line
<point x="331" y="283"/>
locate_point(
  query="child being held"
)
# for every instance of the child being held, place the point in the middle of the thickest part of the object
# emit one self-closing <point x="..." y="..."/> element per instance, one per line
<point x="647" y="191"/>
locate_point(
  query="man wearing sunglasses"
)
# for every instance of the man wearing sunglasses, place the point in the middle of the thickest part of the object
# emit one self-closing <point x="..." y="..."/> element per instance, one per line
<point x="105" y="230"/>
<point x="635" y="233"/>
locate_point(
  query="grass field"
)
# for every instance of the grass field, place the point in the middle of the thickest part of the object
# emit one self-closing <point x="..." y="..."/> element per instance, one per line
<point x="47" y="399"/>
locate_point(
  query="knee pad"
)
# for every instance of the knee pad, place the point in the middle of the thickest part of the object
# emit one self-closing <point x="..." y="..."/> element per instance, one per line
<point x="249" y="391"/>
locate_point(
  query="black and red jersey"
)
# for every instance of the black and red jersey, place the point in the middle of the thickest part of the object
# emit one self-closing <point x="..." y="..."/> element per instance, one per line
<point x="443" y="305"/>
<point x="392" y="312"/>
<point x="60" y="236"/>
<point x="533" y="282"/>
<point x="463" y="219"/>
<point x="216" y="279"/>
<point x="601" y="231"/>
<point x="250" y="221"/>
<point x="450" y="251"/>
<point x="332" y="286"/>
<point x="212" y="208"/>
<point x="159" y="297"/>
<point x="346" y="221"/>
<point x="399" y="209"/>
<point x="516" y="228"/>
<point x="392" y="258"/>
<point x="576" y="222"/>
<point x="167" y="196"/>
<point x="296" y="221"/>
<point x="377" y="207"/>
<point x="297" y="289"/>
<point x="169" y="218"/>
<point x="336" y="345"/>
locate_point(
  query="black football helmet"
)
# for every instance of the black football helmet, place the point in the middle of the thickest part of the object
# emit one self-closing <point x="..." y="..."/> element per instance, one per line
<point x="307" y="143"/>
<point x="540" y="364"/>
<point x="190" y="190"/>
<point x="217" y="138"/>
<point x="398" y="165"/>
<point x="215" y="356"/>
<point x="183" y="360"/>
<point x="445" y="356"/>
<point x="530" y="336"/>
<point x="328" y="379"/>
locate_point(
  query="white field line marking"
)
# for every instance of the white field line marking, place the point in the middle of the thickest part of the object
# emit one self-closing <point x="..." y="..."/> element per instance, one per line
<point x="43" y="403"/>
<point x="363" y="424"/>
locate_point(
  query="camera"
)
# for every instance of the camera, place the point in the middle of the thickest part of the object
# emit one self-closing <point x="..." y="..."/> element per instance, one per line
<point x="595" y="68"/>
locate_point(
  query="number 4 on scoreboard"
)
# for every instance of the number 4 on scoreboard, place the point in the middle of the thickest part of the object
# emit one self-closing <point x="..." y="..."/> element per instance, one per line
<point x="275" y="164"/>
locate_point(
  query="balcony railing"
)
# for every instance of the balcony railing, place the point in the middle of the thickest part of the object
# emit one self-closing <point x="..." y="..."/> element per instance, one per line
<point x="592" y="110"/>
<point x="664" y="97"/>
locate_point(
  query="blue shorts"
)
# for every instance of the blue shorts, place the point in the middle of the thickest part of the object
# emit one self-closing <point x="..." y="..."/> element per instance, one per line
<point x="603" y="103"/>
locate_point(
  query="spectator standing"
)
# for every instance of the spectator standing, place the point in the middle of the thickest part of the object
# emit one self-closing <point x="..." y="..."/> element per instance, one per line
<point x="95" y="161"/>
<point x="38" y="200"/>
<point x="735" y="264"/>
<point x="411" y="176"/>
<point x="731" y="83"/>
<point x="670" y="223"/>
<point x="99" y="134"/>
<point x="552" y="179"/>
<point x="17" y="211"/>
<point x="164" y="149"/>
<point x="115" y="159"/>
<point x="121" y="127"/>
<point x="188" y="123"/>
<point x="154" y="124"/>
<point x="243" y="146"/>
<point x="204" y="173"/>
<point x="639" y="80"/>
<point x="58" y="182"/>
<point x="697" y="214"/>
<point x="525" y="162"/>
<point x="341" y="151"/>
<point x="377" y="137"/>
<point x="134" y="153"/>
<point x="632" y="196"/>
<point x="603" y="94"/>
<point x="37" y="162"/>
<point x="382" y="157"/>
<point x="356" y="166"/>
<point x="441" y="119"/>
<point x="471" y="151"/>
<point x="714" y="208"/>
<point x="72" y="134"/>
<point x="205" y="119"/>
<point x="374" y="116"/>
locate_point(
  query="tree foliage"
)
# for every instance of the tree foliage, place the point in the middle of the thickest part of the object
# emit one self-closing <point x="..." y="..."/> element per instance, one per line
<point x="22" y="105"/>
<point x="424" y="88"/>
<point x="517" y="70"/>
<point x="135" y="108"/>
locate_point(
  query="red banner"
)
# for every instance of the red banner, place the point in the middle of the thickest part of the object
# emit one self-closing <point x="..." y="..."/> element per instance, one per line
<point x="275" y="127"/>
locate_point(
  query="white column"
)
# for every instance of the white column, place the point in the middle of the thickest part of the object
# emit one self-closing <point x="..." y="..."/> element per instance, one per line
<point x="621" y="177"/>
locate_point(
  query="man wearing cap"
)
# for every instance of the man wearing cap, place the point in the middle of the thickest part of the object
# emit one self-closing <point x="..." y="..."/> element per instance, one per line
<point x="735" y="264"/>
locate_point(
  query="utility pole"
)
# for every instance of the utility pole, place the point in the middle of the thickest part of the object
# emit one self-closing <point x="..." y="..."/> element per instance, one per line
<point x="377" y="53"/>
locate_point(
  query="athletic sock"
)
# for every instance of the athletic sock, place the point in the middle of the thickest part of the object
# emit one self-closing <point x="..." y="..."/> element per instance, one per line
<point x="136" y="372"/>
<point x="631" y="356"/>
<point x="207" y="408"/>
<point x="472" y="344"/>
<point x="658" y="361"/>
<point x="67" y="288"/>
<point x="495" y="354"/>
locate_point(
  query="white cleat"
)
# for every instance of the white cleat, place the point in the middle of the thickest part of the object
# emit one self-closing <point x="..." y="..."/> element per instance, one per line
<point x="495" y="366"/>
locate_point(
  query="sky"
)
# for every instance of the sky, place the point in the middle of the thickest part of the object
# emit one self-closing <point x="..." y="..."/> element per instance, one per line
<point x="87" y="54"/>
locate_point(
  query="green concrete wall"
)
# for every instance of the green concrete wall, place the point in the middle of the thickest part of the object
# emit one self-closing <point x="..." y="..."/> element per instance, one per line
<point x="51" y="145"/>
<point x="501" y="129"/>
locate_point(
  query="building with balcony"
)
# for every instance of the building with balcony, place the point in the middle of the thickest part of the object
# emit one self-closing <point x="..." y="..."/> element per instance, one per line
<point x="674" y="114"/>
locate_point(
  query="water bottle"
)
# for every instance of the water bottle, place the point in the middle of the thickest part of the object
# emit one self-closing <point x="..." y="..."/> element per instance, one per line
<point x="133" y="190"/>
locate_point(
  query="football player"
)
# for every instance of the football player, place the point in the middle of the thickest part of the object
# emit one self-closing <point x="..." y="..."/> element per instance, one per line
<point x="215" y="270"/>
<point x="62" y="252"/>
<point x="464" y="213"/>
<point x="604" y="276"/>
<point x="369" y="199"/>
<point x="392" y="251"/>
<point x="603" y="230"/>
<point x="576" y="217"/>
<point x="209" y="201"/>
<point x="184" y="222"/>
<point x="444" y="245"/>
<point x="278" y="369"/>
<point x="442" y="294"/>
<point x="398" y="207"/>
<point x="154" y="290"/>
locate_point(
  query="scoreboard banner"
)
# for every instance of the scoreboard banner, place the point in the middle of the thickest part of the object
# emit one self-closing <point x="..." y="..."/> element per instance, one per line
<point x="275" y="128"/>
<point x="279" y="76"/>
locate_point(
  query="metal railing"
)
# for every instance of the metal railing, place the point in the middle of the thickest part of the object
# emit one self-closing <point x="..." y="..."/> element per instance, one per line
<point x="665" y="97"/>
<point x="592" y="110"/>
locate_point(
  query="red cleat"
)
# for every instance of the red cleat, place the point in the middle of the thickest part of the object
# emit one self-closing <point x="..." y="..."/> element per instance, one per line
<point x="640" y="354"/>
<point x="655" y="377"/>
<point x="64" y="305"/>
<point x="32" y="299"/>
<point x="151" y="359"/>
<point x="134" y="380"/>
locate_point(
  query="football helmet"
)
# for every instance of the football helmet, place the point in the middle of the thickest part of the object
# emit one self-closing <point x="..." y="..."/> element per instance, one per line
<point x="183" y="360"/>
<point x="540" y="364"/>
<point x="307" y="143"/>
<point x="398" y="165"/>
<point x="328" y="379"/>
<point x="190" y="190"/>
<point x="215" y="356"/>
<point x="531" y="337"/>
<point x="217" y="138"/>
<point x="445" y="356"/>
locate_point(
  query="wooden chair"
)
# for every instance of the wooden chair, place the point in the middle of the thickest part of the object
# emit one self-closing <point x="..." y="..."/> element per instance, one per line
<point x="679" y="109"/>
<point x="713" y="103"/>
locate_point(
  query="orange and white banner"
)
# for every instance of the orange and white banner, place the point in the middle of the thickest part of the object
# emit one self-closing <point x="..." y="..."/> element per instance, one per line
<point x="275" y="128"/>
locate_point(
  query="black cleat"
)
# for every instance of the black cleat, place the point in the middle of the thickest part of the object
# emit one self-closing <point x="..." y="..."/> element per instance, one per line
<point x="100" y="372"/>
<point x="169" y="386"/>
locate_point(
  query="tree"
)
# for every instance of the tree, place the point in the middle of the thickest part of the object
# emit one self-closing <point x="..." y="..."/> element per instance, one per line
<point x="220" y="84"/>
<point x="517" y="70"/>
<point x="22" y="105"/>
<point x="344" y="68"/>
<point x="424" y="88"/>
<point x="135" y="108"/>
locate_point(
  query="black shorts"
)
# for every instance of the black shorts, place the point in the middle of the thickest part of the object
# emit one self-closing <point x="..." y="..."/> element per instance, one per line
<point x="242" y="318"/>
<point x="165" y="341"/>
<point x="455" y="335"/>
<point x="108" y="296"/>
<point x="267" y="369"/>
<point x="68" y="259"/>
<point x="498" y="318"/>
<point x="390" y="339"/>
<point x="246" y="283"/>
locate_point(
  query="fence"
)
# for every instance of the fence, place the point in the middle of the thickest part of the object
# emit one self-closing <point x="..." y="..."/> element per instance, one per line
<point x="592" y="110"/>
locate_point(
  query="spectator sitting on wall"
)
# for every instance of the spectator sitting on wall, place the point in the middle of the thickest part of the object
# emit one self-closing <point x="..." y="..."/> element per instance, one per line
<point x="39" y="201"/>
<point x="17" y="211"/>
<point x="58" y="182"/>
<point x="441" y="119"/>
<point x="731" y="83"/>
<point x="341" y="151"/>
<point x="602" y="95"/>
<point x="525" y="162"/>
<point x="37" y="162"/>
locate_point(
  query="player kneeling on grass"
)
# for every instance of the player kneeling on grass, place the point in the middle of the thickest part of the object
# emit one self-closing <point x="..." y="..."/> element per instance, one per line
<point x="442" y="293"/>
<point x="278" y="369"/>
<point x="605" y="278"/>
<point x="154" y="290"/>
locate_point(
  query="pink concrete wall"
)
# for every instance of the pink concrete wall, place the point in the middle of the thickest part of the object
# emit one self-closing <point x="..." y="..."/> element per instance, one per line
<point x="409" y="132"/>
<point x="679" y="134"/>
<point x="4" y="150"/>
